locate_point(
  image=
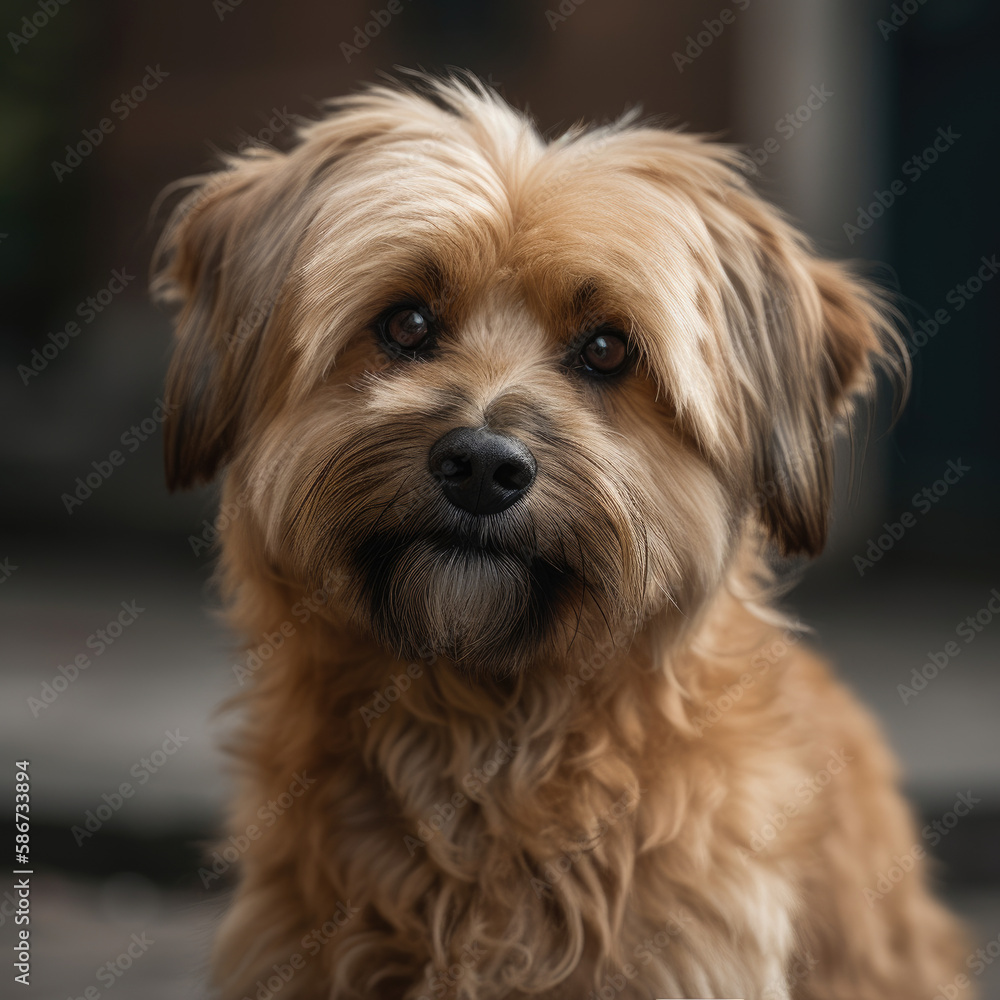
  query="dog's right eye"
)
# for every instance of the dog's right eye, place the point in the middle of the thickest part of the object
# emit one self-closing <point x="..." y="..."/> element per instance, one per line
<point x="406" y="328"/>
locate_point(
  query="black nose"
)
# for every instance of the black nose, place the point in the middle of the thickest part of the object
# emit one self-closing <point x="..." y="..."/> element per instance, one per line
<point x="481" y="471"/>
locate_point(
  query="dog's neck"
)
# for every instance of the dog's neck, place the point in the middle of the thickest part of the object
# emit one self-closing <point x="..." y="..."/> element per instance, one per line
<point x="618" y="692"/>
<point x="492" y="792"/>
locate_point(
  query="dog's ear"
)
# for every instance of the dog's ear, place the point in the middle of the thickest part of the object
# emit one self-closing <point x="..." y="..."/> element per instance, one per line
<point x="784" y="341"/>
<point x="824" y="334"/>
<point x="225" y="256"/>
<point x="222" y="257"/>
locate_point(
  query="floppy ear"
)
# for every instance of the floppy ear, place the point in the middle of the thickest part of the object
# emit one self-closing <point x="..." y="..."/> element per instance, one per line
<point x="827" y="333"/>
<point x="785" y="342"/>
<point x="226" y="255"/>
<point x="220" y="257"/>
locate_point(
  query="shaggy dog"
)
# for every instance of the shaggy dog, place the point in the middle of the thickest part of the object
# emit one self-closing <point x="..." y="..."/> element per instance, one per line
<point x="510" y="430"/>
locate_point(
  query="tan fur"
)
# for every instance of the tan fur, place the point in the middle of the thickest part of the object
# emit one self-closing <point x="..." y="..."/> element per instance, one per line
<point x="645" y="716"/>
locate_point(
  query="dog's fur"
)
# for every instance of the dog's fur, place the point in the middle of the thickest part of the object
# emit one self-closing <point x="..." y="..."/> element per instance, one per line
<point x="607" y="767"/>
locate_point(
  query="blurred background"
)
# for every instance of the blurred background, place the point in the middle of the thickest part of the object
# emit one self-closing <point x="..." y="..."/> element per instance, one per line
<point x="872" y="123"/>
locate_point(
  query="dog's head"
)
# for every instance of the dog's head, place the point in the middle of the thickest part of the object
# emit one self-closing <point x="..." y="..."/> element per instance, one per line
<point x="515" y="391"/>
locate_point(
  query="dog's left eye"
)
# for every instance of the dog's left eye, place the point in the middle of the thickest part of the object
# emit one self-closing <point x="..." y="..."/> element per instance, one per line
<point x="606" y="353"/>
<point x="407" y="328"/>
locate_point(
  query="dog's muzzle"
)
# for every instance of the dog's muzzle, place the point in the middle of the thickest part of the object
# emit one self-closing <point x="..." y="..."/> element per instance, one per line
<point x="481" y="471"/>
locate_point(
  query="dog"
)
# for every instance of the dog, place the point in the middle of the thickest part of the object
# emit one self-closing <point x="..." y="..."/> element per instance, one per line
<point x="513" y="434"/>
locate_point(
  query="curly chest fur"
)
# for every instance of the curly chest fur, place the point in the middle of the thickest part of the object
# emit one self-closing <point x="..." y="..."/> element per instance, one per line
<point x="565" y="842"/>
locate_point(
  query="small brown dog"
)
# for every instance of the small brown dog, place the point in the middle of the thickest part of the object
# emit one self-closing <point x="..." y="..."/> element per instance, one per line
<point x="508" y="427"/>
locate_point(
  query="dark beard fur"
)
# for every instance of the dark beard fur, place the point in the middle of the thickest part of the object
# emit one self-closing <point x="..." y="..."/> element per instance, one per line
<point x="485" y="609"/>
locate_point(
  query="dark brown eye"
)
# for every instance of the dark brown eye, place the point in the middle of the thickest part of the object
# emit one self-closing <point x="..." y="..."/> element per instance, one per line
<point x="606" y="353"/>
<point x="407" y="328"/>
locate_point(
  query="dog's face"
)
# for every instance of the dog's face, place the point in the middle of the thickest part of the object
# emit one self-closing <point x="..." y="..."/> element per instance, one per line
<point x="516" y="394"/>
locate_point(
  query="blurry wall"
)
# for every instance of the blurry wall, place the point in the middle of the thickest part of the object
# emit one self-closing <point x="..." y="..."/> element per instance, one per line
<point x="217" y="73"/>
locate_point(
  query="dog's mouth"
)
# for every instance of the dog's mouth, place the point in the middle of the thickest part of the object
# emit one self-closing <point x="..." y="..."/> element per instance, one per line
<point x="480" y="601"/>
<point x="473" y="543"/>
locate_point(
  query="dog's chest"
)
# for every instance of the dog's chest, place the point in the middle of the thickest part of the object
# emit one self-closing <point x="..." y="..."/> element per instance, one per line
<point x="526" y="880"/>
